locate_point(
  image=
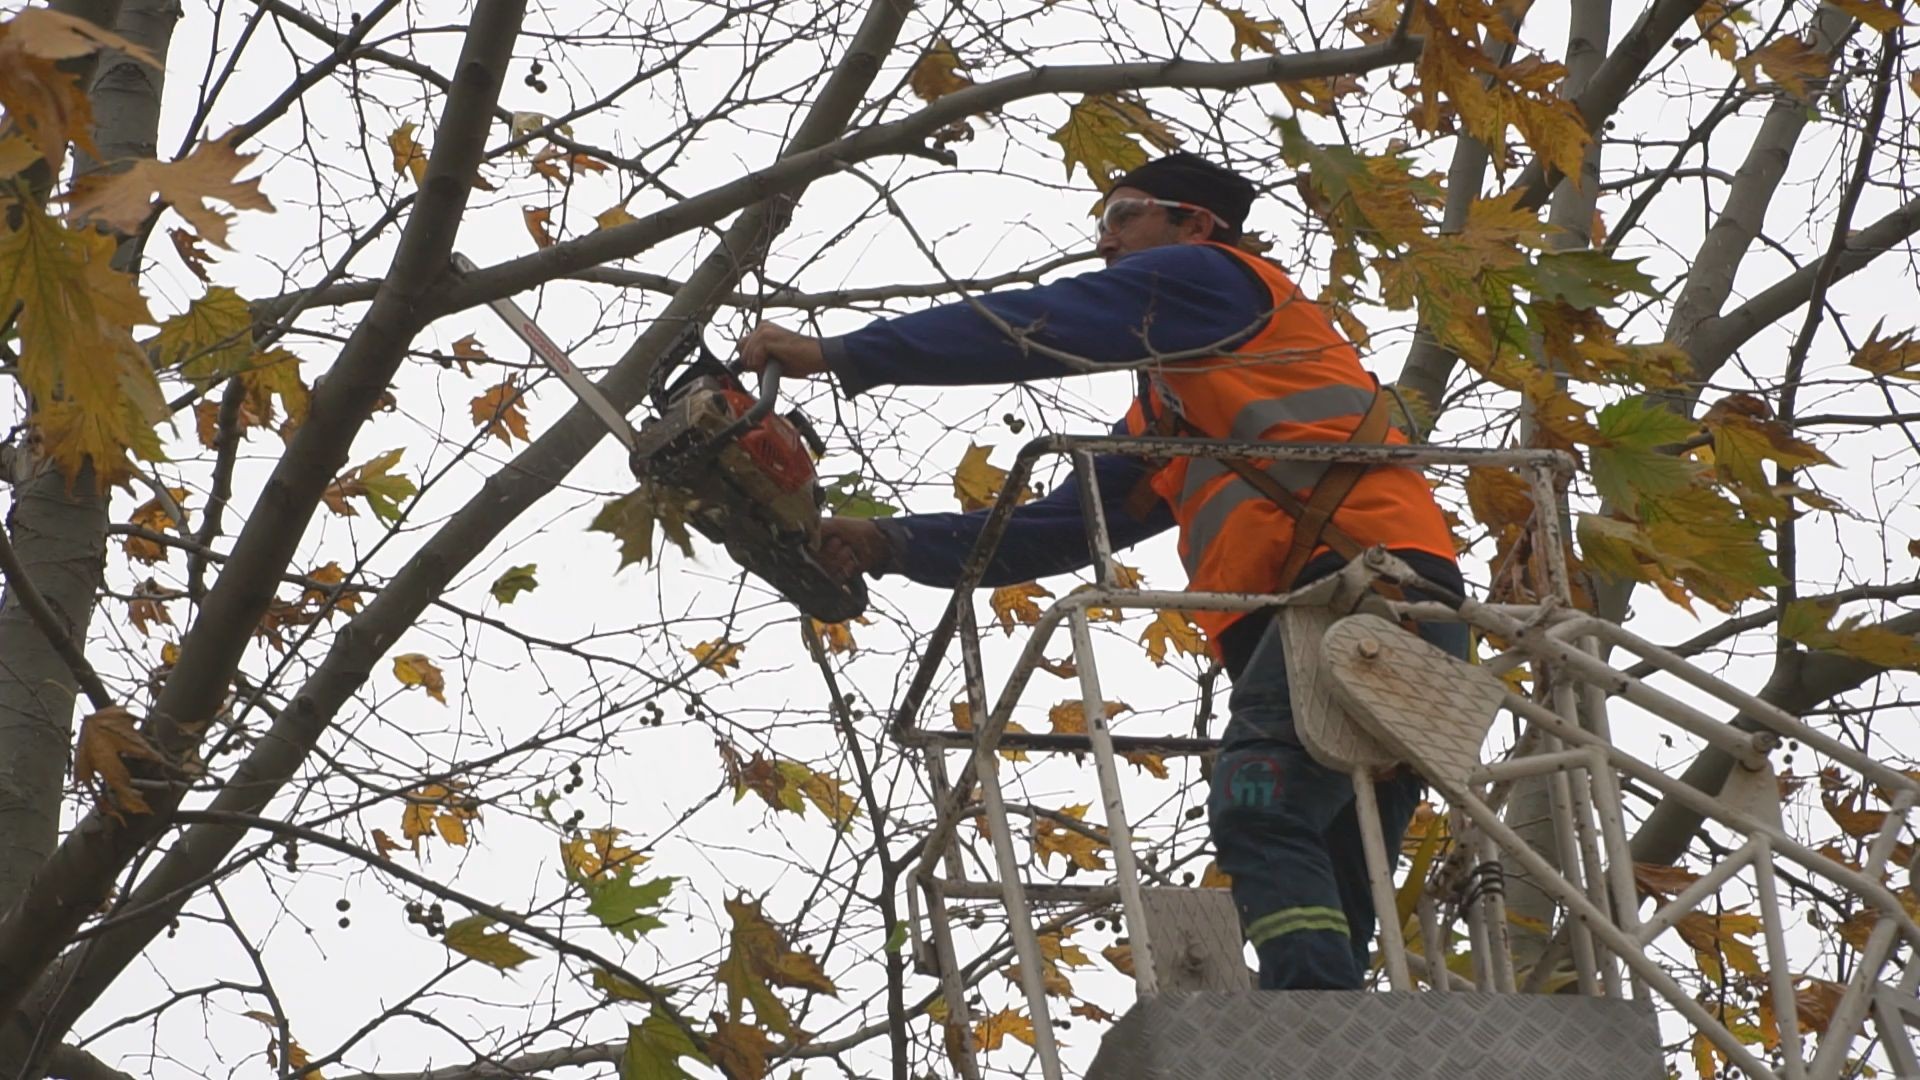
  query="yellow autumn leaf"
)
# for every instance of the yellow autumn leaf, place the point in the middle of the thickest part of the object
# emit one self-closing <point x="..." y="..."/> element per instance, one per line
<point x="471" y="937"/>
<point x="991" y="1031"/>
<point x="975" y="482"/>
<point x="1215" y="878"/>
<point x="1120" y="956"/>
<point x="613" y="216"/>
<point x="373" y="481"/>
<point x="1151" y="763"/>
<point x="1790" y="61"/>
<point x="1881" y="17"/>
<point x="597" y="852"/>
<point x="124" y="200"/>
<point x="963" y="721"/>
<point x="93" y="389"/>
<point x="108" y="738"/>
<point x="1100" y="136"/>
<point x="1070" y="717"/>
<point x="1897" y="356"/>
<point x="153" y="516"/>
<point x="414" y="669"/>
<point x="42" y="99"/>
<point x="1052" y="838"/>
<point x="408" y="156"/>
<point x="717" y="655"/>
<point x="1248" y="32"/>
<point x="16" y="153"/>
<point x="210" y="340"/>
<point x="1016" y="604"/>
<point x="837" y="637"/>
<point x="1500" y="498"/>
<point x="937" y="73"/>
<point x="499" y="412"/>
<point x="1172" y="629"/>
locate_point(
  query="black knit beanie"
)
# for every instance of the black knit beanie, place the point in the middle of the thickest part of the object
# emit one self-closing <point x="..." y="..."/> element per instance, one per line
<point x="1190" y="178"/>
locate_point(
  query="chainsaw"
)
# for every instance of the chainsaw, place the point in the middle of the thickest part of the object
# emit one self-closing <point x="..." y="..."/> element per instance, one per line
<point x="744" y="474"/>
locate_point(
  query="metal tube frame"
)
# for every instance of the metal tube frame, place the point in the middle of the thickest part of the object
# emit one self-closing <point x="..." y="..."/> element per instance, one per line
<point x="1595" y="890"/>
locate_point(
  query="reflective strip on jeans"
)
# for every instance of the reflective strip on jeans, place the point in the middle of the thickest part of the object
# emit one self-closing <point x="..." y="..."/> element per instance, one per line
<point x="1294" y="921"/>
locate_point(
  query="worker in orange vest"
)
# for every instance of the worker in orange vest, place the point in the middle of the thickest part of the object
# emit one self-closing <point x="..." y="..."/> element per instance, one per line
<point x="1225" y="346"/>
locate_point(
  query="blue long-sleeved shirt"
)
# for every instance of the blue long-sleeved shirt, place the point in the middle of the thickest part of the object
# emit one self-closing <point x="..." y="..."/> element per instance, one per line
<point x="1163" y="300"/>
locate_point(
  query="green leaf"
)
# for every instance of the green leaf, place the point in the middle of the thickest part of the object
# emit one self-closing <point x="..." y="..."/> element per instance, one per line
<point x="654" y="1050"/>
<point x="1805" y="622"/>
<point x="619" y="988"/>
<point x="1639" y="423"/>
<point x="210" y="340"/>
<point x="1626" y="477"/>
<point x="515" y="581"/>
<point x="617" y="902"/>
<point x="848" y="497"/>
<point x="897" y="939"/>
<point x="629" y="519"/>
<point x="382" y="490"/>
<point x="470" y="937"/>
<point x="1586" y="279"/>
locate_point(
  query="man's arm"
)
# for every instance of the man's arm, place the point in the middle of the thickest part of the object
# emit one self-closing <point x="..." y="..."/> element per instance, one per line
<point x="1043" y="537"/>
<point x="1176" y="298"/>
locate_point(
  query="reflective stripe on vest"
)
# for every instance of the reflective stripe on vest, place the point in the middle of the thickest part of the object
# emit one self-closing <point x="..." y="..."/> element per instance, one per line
<point x="1258" y="417"/>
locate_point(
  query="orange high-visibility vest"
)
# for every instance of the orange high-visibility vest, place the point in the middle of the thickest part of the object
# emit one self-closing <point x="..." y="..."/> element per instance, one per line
<point x="1296" y="380"/>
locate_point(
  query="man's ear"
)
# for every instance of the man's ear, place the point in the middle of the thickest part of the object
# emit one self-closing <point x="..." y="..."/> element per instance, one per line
<point x="1196" y="229"/>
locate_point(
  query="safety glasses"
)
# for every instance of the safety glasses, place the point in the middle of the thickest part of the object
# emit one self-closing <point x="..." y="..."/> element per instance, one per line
<point x="1119" y="212"/>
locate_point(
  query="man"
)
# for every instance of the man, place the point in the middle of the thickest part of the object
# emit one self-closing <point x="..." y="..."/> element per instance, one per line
<point x="1227" y="347"/>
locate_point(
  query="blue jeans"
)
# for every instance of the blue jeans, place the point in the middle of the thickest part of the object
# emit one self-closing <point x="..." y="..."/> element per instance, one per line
<point x="1285" y="829"/>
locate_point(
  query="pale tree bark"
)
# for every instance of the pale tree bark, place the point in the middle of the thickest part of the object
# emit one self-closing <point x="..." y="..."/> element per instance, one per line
<point x="70" y="884"/>
<point x="57" y="529"/>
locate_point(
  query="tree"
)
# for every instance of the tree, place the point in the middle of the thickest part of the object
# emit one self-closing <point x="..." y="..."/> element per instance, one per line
<point x="271" y="494"/>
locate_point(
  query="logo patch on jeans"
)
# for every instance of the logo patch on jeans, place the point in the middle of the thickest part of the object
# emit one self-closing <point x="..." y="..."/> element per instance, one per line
<point x="1253" y="781"/>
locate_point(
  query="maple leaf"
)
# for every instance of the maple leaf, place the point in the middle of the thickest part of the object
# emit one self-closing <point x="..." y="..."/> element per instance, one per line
<point x="717" y="655"/>
<point x="383" y="844"/>
<point x="1214" y="878"/>
<point x="838" y="637"/>
<point x="94" y="393"/>
<point x="825" y="792"/>
<point x="537" y="218"/>
<point x="192" y="255"/>
<point x="1151" y="763"/>
<point x="499" y="413"/>
<point x="1713" y="937"/>
<point x="1628" y="467"/>
<point x="758" y="960"/>
<point x="1789" y="61"/>
<point x="153" y="516"/>
<point x="124" y="200"/>
<point x="1500" y="498"/>
<point x="622" y="906"/>
<point x="415" y="669"/>
<point x="1121" y="957"/>
<point x="963" y="721"/>
<point x="1052" y="979"/>
<point x="1099" y="136"/>
<point x="937" y="73"/>
<point x="1051" y="838"/>
<point x="598" y="852"/>
<point x="107" y="739"/>
<point x="740" y="1049"/>
<point x="1318" y="96"/>
<point x="372" y="482"/>
<point x="654" y="1049"/>
<point x="16" y="153"/>
<point x="148" y="606"/>
<point x="408" y="156"/>
<point x="1015" y="604"/>
<point x="1897" y="356"/>
<point x="470" y="937"/>
<point x="1070" y="717"/>
<point x="320" y="596"/>
<point x="993" y="1030"/>
<point x="210" y="340"/>
<point x="631" y="517"/>
<point x="613" y="217"/>
<point x="518" y="579"/>
<point x="1662" y="879"/>
<point x="1172" y="629"/>
<point x="975" y="482"/>
<point x="1248" y="32"/>
<point x="1713" y="19"/>
<point x="850" y="497"/>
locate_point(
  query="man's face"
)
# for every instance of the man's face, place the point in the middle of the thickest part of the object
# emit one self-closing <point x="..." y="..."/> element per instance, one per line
<point x="1148" y="226"/>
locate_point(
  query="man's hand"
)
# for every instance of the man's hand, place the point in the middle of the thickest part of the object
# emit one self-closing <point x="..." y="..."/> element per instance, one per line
<point x="799" y="354"/>
<point x="852" y="546"/>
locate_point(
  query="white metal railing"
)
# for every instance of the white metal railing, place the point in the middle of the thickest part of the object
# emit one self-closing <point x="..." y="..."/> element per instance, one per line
<point x="1584" y="864"/>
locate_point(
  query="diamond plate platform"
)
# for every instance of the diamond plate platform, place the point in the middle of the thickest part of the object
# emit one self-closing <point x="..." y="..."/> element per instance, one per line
<point x="1350" y="1035"/>
<point x="1428" y="708"/>
<point x="1319" y="717"/>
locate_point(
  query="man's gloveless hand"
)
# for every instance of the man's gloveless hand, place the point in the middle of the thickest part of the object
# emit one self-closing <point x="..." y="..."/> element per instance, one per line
<point x="799" y="354"/>
<point x="850" y="547"/>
